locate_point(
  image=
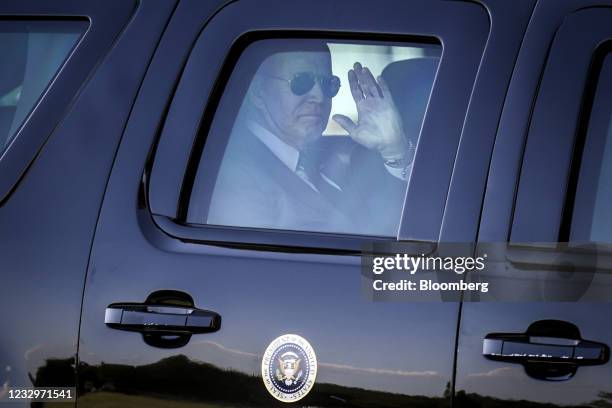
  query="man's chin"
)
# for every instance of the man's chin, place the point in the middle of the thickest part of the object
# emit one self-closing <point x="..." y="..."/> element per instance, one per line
<point x="312" y="122"/>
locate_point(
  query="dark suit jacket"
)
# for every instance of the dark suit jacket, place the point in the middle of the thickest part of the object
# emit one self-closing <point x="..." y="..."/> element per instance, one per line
<point x="255" y="189"/>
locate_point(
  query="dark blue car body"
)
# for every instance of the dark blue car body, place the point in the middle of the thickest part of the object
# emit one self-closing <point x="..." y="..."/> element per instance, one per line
<point x="92" y="211"/>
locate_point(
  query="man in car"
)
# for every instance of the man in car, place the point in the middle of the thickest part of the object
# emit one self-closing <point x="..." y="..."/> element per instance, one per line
<point x="277" y="171"/>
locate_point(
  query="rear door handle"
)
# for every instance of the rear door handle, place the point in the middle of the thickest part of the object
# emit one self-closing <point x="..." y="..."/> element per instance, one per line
<point x="522" y="349"/>
<point x="549" y="350"/>
<point x="145" y="318"/>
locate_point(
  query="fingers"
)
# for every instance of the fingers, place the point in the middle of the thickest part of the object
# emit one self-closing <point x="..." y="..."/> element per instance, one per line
<point x="346" y="123"/>
<point x="354" y="85"/>
<point x="366" y="81"/>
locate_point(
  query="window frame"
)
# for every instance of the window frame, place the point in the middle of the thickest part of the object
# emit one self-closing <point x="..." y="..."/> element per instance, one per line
<point x="561" y="108"/>
<point x="48" y="22"/>
<point x="463" y="44"/>
<point x="104" y="24"/>
<point x="217" y="154"/>
<point x="592" y="137"/>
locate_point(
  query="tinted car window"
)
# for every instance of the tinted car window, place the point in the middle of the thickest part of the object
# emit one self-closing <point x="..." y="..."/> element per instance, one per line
<point x="32" y="53"/>
<point x="319" y="136"/>
<point x="591" y="217"/>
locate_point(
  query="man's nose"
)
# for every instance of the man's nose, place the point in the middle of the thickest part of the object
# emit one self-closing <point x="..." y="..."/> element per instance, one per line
<point x="316" y="93"/>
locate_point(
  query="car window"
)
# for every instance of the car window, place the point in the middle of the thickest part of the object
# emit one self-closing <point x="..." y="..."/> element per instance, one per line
<point x="32" y="53"/>
<point x="591" y="218"/>
<point x="315" y="135"/>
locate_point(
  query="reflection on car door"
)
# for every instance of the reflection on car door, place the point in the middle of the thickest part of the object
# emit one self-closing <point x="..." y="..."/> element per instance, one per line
<point x="377" y="354"/>
<point x="547" y="199"/>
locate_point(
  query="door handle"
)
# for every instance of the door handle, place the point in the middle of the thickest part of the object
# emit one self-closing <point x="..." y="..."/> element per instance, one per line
<point x="549" y="350"/>
<point x="161" y="319"/>
<point x="519" y="349"/>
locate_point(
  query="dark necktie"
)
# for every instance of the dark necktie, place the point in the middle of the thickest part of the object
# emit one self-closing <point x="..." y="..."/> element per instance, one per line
<point x="308" y="169"/>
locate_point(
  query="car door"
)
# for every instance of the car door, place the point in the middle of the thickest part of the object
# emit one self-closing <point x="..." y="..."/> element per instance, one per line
<point x="547" y="192"/>
<point x="69" y="78"/>
<point x="257" y="287"/>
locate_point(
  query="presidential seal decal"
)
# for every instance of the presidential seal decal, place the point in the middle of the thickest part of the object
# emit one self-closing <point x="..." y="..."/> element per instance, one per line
<point x="289" y="368"/>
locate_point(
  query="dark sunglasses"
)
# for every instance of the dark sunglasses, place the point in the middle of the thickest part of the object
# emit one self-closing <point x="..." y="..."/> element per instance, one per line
<point x="303" y="82"/>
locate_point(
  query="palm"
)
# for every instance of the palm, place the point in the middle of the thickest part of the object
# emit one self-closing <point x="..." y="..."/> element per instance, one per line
<point x="378" y="123"/>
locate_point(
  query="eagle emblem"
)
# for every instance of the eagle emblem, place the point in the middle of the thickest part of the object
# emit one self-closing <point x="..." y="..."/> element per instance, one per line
<point x="289" y="368"/>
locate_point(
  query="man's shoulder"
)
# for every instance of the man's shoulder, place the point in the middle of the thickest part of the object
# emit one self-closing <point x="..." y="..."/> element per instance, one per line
<point x="249" y="165"/>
